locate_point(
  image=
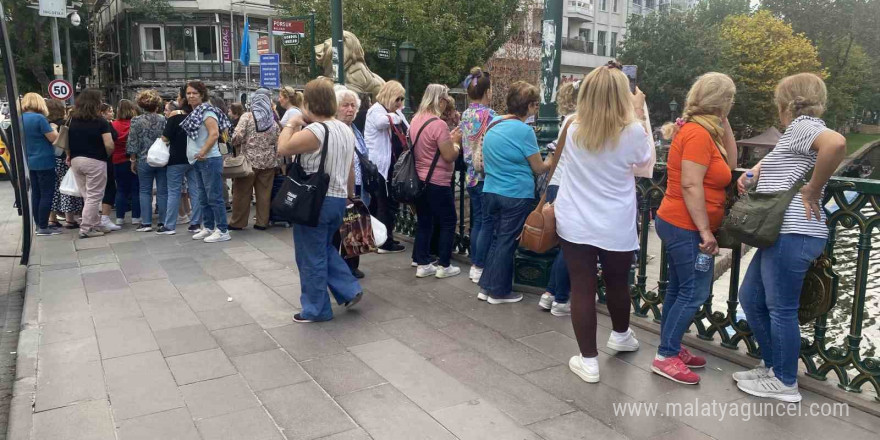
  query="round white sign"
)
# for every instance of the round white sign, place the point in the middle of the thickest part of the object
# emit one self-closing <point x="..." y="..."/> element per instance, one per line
<point x="60" y="89"/>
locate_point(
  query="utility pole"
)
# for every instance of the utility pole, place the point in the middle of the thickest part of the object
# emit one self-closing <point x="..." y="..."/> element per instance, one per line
<point x="551" y="58"/>
<point x="56" y="50"/>
<point x="69" y="62"/>
<point x="337" y="41"/>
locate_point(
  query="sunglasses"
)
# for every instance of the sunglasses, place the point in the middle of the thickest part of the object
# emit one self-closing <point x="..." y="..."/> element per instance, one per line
<point x="614" y="65"/>
<point x="399" y="99"/>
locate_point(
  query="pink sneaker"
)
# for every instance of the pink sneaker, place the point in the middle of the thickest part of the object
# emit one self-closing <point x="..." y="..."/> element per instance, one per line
<point x="690" y="359"/>
<point x="673" y="368"/>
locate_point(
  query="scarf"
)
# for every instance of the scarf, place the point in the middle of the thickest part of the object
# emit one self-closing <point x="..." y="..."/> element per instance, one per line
<point x="712" y="124"/>
<point x="261" y="107"/>
<point x="195" y="120"/>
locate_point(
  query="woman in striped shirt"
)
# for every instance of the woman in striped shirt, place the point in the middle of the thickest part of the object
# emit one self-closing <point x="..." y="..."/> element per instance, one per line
<point x="770" y="292"/>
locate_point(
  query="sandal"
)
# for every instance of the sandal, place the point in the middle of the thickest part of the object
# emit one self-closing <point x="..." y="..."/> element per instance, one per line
<point x="73" y="225"/>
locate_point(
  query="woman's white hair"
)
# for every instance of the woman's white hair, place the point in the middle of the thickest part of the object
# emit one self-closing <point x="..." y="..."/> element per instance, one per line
<point x="343" y="92"/>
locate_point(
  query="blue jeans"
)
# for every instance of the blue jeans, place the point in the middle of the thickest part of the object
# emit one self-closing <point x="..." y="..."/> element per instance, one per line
<point x="770" y="296"/>
<point x="127" y="191"/>
<point x="479" y="245"/>
<point x="320" y="265"/>
<point x="146" y="175"/>
<point x="209" y="186"/>
<point x="436" y="207"/>
<point x="175" y="175"/>
<point x="503" y="218"/>
<point x="195" y="203"/>
<point x="560" y="283"/>
<point x="688" y="288"/>
<point x="42" y="192"/>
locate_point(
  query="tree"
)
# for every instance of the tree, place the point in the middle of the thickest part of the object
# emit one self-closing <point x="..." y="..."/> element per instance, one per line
<point x="519" y="59"/>
<point x="757" y="51"/>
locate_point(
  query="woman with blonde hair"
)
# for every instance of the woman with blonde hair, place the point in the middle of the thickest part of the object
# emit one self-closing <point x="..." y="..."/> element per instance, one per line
<point x="291" y="101"/>
<point x="605" y="140"/>
<point x="436" y="149"/>
<point x="701" y="157"/>
<point x="39" y="137"/>
<point x="770" y="292"/>
<point x="381" y="118"/>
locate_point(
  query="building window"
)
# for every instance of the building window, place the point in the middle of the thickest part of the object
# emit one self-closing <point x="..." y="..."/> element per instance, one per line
<point x="600" y="43"/>
<point x="191" y="43"/>
<point x="614" y="45"/>
<point x="152" y="43"/>
<point x="650" y="4"/>
<point x="603" y="5"/>
<point x="614" y="5"/>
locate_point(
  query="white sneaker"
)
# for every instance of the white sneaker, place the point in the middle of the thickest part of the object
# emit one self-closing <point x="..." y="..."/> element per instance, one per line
<point x="509" y="299"/>
<point x="448" y="271"/>
<point x="771" y="387"/>
<point x="182" y="219"/>
<point x="135" y="221"/>
<point x="546" y="301"/>
<point x="586" y="368"/>
<point x="623" y="341"/>
<point x="414" y="264"/>
<point x="471" y="273"/>
<point x="120" y="221"/>
<point x="482" y="296"/>
<point x="426" y="271"/>
<point x="218" y="236"/>
<point x="478" y="273"/>
<point x="756" y="373"/>
<point x="144" y="229"/>
<point x="203" y="234"/>
<point x="560" y="309"/>
<point x="108" y="224"/>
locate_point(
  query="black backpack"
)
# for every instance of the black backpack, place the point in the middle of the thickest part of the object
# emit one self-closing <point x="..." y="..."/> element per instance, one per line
<point x="406" y="187"/>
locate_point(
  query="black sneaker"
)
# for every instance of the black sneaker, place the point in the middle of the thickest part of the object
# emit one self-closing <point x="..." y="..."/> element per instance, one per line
<point x="259" y="228"/>
<point x="392" y="249"/>
<point x="298" y="318"/>
<point x="354" y="301"/>
<point x="233" y="228"/>
<point x="193" y="229"/>
<point x="165" y="231"/>
<point x="357" y="273"/>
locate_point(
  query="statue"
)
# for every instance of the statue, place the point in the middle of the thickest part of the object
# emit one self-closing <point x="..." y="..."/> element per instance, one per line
<point x="358" y="76"/>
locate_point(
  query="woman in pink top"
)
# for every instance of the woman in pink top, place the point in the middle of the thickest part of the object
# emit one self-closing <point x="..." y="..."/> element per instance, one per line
<point x="436" y="149"/>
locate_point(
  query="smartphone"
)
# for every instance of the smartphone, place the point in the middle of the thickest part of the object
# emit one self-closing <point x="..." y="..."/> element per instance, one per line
<point x="630" y="72"/>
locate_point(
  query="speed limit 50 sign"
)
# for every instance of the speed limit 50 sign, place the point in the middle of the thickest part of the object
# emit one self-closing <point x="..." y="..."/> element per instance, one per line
<point x="60" y="89"/>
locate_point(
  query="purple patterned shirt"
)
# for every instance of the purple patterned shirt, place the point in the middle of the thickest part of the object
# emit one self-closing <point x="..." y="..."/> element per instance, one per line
<point x="470" y="126"/>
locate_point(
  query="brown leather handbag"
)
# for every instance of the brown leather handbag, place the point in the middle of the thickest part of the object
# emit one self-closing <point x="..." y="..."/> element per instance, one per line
<point x="539" y="232"/>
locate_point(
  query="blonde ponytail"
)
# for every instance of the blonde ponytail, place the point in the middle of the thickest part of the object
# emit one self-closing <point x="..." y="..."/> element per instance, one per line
<point x="712" y="93"/>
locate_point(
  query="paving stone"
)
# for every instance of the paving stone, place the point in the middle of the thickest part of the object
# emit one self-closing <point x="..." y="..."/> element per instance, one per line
<point x="183" y="271"/>
<point x="683" y="432"/>
<point x="263" y="265"/>
<point x="376" y="309"/>
<point x="269" y="369"/>
<point x="229" y="316"/>
<point x="250" y="424"/>
<point x="225" y="271"/>
<point x="88" y="257"/>
<point x="342" y="374"/>
<point x="103" y="267"/>
<point x="175" y="424"/>
<point x="168" y="313"/>
<point x="141" y="384"/>
<point x="201" y="365"/>
<point x="277" y="278"/>
<point x="245" y="255"/>
<point x="264" y="305"/>
<point x="305" y="342"/>
<point x="113" y="305"/>
<point x="512" y="320"/>
<point x="244" y="339"/>
<point x="60" y="384"/>
<point x="218" y="396"/>
<point x="304" y="411"/>
<point x="351" y="329"/>
<point x="204" y="296"/>
<point x="67" y="306"/>
<point x="109" y="280"/>
<point x="510" y="354"/>
<point x="521" y="400"/>
<point x="83" y="421"/>
<point x="154" y="289"/>
<point x="61" y="331"/>
<point x="125" y="336"/>
<point x="91" y="243"/>
<point x="478" y="420"/>
<point x="180" y="340"/>
<point x="354" y="434"/>
<point x="291" y="293"/>
<point x="425" y="384"/>
<point x="385" y="413"/>
<point x="575" y="426"/>
<point x="137" y="268"/>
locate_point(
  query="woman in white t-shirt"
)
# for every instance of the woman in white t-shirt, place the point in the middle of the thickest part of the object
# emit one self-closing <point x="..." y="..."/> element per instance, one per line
<point x="771" y="289"/>
<point x="291" y="101"/>
<point x="318" y="261"/>
<point x="596" y="208"/>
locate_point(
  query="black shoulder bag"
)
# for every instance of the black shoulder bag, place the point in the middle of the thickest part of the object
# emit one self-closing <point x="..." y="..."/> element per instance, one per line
<point x="406" y="187"/>
<point x="370" y="177"/>
<point x="301" y="196"/>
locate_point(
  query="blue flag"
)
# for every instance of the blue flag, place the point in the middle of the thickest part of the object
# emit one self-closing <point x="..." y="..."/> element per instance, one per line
<point x="245" y="54"/>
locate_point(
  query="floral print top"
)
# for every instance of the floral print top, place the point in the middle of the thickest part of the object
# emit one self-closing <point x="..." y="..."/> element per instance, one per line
<point x="470" y="126"/>
<point x="145" y="129"/>
<point x="258" y="147"/>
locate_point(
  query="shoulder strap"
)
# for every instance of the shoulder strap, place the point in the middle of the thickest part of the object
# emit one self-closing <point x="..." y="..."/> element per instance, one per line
<point x="499" y="121"/>
<point x="557" y="156"/>
<point x="324" y="148"/>
<point x="436" y="154"/>
<point x="425" y="125"/>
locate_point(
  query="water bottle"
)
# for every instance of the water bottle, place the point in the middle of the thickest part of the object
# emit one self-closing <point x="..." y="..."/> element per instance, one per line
<point x="703" y="263"/>
<point x="749" y="181"/>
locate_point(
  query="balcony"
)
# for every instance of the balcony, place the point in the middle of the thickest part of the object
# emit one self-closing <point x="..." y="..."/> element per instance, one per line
<point x="576" y="45"/>
<point x="580" y="8"/>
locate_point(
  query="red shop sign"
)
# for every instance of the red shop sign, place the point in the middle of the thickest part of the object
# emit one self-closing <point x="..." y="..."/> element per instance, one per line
<point x="288" y="27"/>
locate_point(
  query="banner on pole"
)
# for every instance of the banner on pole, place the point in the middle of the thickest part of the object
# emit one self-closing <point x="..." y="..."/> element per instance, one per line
<point x="270" y="70"/>
<point x="226" y="43"/>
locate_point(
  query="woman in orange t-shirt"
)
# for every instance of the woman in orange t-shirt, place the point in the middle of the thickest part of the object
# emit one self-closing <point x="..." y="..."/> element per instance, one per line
<point x="698" y="169"/>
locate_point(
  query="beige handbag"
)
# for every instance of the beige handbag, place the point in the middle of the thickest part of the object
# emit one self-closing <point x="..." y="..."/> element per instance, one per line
<point x="236" y="166"/>
<point x="63" y="139"/>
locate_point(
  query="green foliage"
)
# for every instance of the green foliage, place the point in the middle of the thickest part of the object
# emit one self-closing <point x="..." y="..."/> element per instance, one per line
<point x="451" y="36"/>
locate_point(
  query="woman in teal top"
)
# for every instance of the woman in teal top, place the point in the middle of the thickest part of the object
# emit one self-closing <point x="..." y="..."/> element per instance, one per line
<point x="511" y="160"/>
<point x="39" y="137"/>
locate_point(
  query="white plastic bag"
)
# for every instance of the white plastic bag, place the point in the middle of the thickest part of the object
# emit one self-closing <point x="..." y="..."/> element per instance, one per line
<point x="68" y="185"/>
<point x="157" y="155"/>
<point x="380" y="233"/>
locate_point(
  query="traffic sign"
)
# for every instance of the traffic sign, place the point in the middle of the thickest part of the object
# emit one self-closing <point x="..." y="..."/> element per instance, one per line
<point x="291" y="39"/>
<point x="384" y="54"/>
<point x="270" y="70"/>
<point x="60" y="89"/>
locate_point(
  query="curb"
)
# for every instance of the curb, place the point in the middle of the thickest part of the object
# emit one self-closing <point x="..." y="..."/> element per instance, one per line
<point x="24" y="388"/>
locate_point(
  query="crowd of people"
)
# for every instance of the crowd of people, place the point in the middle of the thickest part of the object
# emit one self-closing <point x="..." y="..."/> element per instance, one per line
<point x="604" y="144"/>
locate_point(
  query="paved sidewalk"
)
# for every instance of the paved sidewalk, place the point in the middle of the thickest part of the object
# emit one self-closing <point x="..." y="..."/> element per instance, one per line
<point x="12" y="286"/>
<point x="135" y="336"/>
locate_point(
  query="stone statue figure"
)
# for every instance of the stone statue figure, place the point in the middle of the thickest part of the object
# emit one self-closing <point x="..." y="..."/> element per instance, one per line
<point x="358" y="76"/>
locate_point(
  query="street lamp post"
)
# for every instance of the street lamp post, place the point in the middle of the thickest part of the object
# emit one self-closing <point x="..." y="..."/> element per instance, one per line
<point x="407" y="53"/>
<point x="551" y="57"/>
<point x="338" y="50"/>
<point x="673" y="108"/>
